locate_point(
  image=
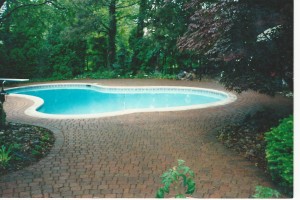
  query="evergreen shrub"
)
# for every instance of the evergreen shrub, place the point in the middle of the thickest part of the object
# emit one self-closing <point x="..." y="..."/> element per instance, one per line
<point x="279" y="153"/>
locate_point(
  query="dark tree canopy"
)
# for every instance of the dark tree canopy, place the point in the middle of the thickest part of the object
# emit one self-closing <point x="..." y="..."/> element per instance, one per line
<point x="2" y="2"/>
<point x="250" y="41"/>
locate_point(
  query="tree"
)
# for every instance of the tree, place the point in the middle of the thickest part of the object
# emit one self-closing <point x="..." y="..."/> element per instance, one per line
<point x="250" y="41"/>
<point x="155" y="50"/>
<point x="102" y="17"/>
<point x="20" y="42"/>
<point x="138" y="34"/>
<point x="112" y="32"/>
<point x="115" y="7"/>
<point x="67" y="38"/>
<point x="26" y="4"/>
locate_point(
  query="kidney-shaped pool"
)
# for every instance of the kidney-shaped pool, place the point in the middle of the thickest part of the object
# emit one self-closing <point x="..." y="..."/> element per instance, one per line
<point x="91" y="100"/>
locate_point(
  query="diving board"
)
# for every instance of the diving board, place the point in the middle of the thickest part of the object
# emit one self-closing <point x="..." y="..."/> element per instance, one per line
<point x="13" y="79"/>
<point x="2" y="81"/>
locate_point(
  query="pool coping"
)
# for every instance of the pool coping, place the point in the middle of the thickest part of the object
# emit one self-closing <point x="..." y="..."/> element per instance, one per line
<point x="31" y="111"/>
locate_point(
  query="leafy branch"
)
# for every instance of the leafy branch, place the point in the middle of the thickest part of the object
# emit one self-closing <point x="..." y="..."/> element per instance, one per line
<point x="47" y="2"/>
<point x="120" y="6"/>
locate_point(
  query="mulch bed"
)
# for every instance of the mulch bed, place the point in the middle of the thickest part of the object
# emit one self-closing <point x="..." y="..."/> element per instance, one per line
<point x="247" y="137"/>
<point x="28" y="144"/>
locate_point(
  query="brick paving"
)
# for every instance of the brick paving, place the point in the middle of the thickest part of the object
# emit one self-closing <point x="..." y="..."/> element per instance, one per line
<point x="124" y="156"/>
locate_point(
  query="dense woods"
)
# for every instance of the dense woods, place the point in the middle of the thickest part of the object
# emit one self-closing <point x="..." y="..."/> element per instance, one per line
<point x="247" y="44"/>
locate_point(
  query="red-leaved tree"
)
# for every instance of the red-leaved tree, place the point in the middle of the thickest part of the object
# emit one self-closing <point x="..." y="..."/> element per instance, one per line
<point x="251" y="41"/>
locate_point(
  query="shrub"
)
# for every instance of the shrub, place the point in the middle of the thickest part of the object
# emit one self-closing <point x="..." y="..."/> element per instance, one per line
<point x="62" y="72"/>
<point x="163" y="76"/>
<point x="279" y="154"/>
<point x="265" y="192"/>
<point x="4" y="156"/>
<point x="108" y="74"/>
<point x="180" y="178"/>
<point x="2" y="116"/>
<point x="99" y="75"/>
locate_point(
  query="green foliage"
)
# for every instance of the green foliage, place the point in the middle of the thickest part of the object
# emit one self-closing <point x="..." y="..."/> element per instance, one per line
<point x="99" y="75"/>
<point x="155" y="49"/>
<point x="4" y="156"/>
<point x="45" y="137"/>
<point x="162" y="76"/>
<point x="16" y="146"/>
<point x="62" y="72"/>
<point x="180" y="178"/>
<point x="265" y="192"/>
<point x="2" y="116"/>
<point x="22" y="51"/>
<point x="279" y="153"/>
<point x="108" y="74"/>
<point x="143" y="37"/>
<point x="25" y="144"/>
<point x="38" y="148"/>
<point x="36" y="153"/>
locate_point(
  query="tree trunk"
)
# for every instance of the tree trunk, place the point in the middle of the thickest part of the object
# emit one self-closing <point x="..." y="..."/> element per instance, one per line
<point x="112" y="33"/>
<point x="139" y="35"/>
<point x="141" y="19"/>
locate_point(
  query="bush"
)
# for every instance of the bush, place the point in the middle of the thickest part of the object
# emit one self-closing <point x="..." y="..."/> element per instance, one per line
<point x="180" y="178"/>
<point x="279" y="154"/>
<point x="98" y="75"/>
<point x="265" y="192"/>
<point x="4" y="156"/>
<point x="62" y="72"/>
<point x="2" y="116"/>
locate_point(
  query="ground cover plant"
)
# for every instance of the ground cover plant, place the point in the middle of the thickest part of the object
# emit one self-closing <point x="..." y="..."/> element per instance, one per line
<point x="5" y="156"/>
<point x="272" y="151"/>
<point x="22" y="145"/>
<point x="247" y="136"/>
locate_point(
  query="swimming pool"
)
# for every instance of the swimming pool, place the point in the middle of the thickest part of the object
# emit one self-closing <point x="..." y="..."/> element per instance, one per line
<point x="91" y="100"/>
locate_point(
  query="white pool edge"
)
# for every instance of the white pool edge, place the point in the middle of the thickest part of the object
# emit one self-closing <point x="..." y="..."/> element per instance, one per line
<point x="31" y="111"/>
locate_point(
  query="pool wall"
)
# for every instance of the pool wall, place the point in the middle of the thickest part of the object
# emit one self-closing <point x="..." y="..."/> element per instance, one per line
<point x="38" y="102"/>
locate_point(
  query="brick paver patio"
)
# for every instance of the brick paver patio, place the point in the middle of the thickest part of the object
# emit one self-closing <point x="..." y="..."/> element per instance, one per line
<point x="124" y="156"/>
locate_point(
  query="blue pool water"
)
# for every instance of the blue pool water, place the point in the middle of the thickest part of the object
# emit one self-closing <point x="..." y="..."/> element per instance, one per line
<point x="91" y="100"/>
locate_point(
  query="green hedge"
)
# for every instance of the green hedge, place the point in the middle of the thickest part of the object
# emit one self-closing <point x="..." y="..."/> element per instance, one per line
<point x="279" y="154"/>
